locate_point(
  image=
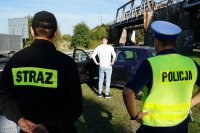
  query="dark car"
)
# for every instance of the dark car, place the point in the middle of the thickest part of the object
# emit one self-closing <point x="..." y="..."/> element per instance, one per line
<point x="86" y="67"/>
<point x="81" y="58"/>
<point x="3" y="61"/>
<point x="127" y="61"/>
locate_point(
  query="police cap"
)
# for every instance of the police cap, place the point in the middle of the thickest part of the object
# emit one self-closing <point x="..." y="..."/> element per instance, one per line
<point x="165" y="30"/>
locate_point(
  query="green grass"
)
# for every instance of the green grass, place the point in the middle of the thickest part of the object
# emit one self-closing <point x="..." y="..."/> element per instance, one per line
<point x="197" y="59"/>
<point x="102" y="115"/>
<point x="194" y="127"/>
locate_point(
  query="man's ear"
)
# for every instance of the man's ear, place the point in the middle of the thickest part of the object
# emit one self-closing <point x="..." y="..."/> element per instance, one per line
<point x="32" y="32"/>
<point x="55" y="33"/>
<point x="156" y="42"/>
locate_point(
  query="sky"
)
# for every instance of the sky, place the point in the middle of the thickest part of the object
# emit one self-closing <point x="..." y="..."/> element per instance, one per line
<point x="68" y="12"/>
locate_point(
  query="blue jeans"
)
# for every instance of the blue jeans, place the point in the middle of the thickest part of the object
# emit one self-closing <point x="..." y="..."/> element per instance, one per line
<point x="108" y="72"/>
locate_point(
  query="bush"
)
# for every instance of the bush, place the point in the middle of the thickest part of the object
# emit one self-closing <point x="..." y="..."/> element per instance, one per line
<point x="81" y="35"/>
<point x="94" y="44"/>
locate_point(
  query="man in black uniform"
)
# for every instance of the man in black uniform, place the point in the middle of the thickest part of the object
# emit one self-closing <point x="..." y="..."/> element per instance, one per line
<point x="41" y="85"/>
<point x="169" y="79"/>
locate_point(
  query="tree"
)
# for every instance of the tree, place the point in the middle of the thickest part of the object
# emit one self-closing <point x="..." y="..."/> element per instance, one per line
<point x="81" y="35"/>
<point x="67" y="37"/>
<point x="100" y="31"/>
<point x="97" y="34"/>
<point x="30" y="39"/>
<point x="139" y="36"/>
<point x="66" y="43"/>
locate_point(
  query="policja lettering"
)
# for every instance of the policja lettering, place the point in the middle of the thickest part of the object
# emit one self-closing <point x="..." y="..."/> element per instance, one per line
<point x="35" y="76"/>
<point x="175" y="76"/>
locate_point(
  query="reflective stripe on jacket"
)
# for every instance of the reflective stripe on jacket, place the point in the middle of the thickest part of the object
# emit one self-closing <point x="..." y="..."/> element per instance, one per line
<point x="169" y="100"/>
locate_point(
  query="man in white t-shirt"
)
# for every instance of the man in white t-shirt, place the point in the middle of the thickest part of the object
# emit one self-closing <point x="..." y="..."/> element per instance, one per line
<point x="104" y="52"/>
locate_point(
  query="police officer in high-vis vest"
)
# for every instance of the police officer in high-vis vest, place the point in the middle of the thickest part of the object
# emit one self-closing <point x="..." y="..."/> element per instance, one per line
<point x="40" y="88"/>
<point x="167" y="81"/>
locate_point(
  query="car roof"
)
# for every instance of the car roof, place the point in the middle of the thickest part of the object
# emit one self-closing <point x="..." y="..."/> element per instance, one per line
<point x="4" y="59"/>
<point x="135" y="47"/>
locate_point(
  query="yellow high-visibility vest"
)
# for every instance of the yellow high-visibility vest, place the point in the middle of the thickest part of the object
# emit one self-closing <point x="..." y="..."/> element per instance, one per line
<point x="169" y="100"/>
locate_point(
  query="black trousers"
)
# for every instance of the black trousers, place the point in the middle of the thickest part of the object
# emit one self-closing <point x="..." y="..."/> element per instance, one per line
<point x="181" y="128"/>
<point x="60" y="129"/>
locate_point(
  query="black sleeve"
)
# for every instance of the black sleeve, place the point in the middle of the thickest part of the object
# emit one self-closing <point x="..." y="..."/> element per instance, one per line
<point x="76" y="94"/>
<point x="72" y="94"/>
<point x="8" y="106"/>
<point x="142" y="77"/>
<point x="198" y="74"/>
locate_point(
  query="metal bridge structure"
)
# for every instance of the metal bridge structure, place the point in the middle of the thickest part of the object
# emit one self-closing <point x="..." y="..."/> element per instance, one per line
<point x="130" y="17"/>
<point x="130" y="14"/>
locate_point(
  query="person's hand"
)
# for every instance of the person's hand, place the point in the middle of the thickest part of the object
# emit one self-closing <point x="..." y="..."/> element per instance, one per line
<point x="39" y="128"/>
<point x="140" y="116"/>
<point x="26" y="125"/>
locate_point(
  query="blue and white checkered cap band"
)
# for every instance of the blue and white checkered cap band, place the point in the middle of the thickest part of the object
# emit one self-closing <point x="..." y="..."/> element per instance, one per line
<point x="165" y="30"/>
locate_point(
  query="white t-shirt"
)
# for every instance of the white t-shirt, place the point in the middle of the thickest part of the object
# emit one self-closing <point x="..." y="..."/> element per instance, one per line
<point x="104" y="52"/>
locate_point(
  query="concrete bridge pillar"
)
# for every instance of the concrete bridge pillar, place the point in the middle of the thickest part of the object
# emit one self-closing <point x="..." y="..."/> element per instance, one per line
<point x="185" y="19"/>
<point x="114" y="35"/>
<point x="123" y="37"/>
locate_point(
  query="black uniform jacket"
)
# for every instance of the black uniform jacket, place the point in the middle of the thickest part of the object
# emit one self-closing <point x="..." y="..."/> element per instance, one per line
<point x="46" y="90"/>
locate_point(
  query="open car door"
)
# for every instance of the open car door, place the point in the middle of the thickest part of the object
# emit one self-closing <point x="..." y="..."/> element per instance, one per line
<point x="82" y="60"/>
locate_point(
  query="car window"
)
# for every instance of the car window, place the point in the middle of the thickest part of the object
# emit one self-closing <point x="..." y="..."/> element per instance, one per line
<point x="131" y="55"/>
<point x="2" y="65"/>
<point x="80" y="56"/>
<point x="126" y="55"/>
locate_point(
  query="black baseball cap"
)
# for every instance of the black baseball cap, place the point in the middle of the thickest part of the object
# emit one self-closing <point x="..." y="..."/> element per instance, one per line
<point x="44" y="19"/>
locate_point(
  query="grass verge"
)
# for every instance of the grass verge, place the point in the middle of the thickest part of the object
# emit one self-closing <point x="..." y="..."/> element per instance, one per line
<point x="102" y="115"/>
<point x="194" y="127"/>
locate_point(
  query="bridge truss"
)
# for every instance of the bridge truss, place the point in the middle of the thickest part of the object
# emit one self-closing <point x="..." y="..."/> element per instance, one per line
<point x="139" y="16"/>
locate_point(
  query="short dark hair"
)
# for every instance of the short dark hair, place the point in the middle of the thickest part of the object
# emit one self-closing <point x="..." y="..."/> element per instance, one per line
<point x="104" y="38"/>
<point x="44" y="24"/>
<point x="166" y="42"/>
